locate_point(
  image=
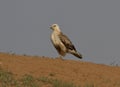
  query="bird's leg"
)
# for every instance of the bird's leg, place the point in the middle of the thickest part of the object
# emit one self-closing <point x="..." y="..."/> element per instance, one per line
<point x="61" y="57"/>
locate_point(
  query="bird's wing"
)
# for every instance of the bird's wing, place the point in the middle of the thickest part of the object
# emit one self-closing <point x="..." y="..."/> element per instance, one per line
<point x="66" y="41"/>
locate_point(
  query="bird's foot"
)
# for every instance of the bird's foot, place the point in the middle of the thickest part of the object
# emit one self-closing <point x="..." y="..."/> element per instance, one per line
<point x="60" y="57"/>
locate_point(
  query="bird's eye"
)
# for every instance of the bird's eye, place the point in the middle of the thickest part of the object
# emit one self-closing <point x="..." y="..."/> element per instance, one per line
<point x="54" y="25"/>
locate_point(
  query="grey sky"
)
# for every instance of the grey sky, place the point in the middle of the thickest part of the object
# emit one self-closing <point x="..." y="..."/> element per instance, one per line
<point x="92" y="25"/>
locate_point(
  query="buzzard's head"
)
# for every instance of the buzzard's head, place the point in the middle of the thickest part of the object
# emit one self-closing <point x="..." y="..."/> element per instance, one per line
<point x="55" y="27"/>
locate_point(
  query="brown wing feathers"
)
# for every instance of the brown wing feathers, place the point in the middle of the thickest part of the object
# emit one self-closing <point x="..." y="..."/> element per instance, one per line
<point x="66" y="41"/>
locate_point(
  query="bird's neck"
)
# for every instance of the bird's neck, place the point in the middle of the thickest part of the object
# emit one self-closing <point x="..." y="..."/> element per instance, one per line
<point x="58" y="32"/>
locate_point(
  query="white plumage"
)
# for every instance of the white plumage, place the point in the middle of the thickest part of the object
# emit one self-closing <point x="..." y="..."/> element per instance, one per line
<point x="62" y="43"/>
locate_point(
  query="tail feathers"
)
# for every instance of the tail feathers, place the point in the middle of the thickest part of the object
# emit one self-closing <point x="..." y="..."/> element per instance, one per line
<point x="77" y="55"/>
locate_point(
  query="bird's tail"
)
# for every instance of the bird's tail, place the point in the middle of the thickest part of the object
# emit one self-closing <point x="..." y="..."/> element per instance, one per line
<point x="77" y="55"/>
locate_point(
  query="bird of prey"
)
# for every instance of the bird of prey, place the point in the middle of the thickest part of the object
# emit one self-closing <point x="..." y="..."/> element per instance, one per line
<point x="62" y="43"/>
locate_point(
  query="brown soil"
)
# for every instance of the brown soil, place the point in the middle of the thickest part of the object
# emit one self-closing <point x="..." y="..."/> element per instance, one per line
<point x="78" y="72"/>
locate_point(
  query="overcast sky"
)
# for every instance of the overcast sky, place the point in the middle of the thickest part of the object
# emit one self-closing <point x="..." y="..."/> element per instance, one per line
<point x="92" y="25"/>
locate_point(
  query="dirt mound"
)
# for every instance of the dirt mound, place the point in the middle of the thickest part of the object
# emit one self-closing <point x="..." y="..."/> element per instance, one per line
<point x="78" y="72"/>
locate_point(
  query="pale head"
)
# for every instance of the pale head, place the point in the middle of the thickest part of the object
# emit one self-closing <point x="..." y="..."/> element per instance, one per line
<point x="55" y="27"/>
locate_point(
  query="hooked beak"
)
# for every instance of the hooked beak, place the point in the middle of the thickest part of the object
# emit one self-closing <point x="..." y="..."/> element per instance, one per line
<point x="50" y="27"/>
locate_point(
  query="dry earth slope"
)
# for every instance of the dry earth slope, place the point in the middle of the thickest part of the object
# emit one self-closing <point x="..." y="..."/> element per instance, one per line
<point x="78" y="72"/>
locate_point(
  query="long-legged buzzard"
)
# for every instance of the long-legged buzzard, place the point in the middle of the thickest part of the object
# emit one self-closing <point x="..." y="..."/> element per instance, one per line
<point x="62" y="43"/>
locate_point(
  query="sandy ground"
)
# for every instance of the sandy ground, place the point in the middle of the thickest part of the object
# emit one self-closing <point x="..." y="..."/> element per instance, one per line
<point x="78" y="72"/>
